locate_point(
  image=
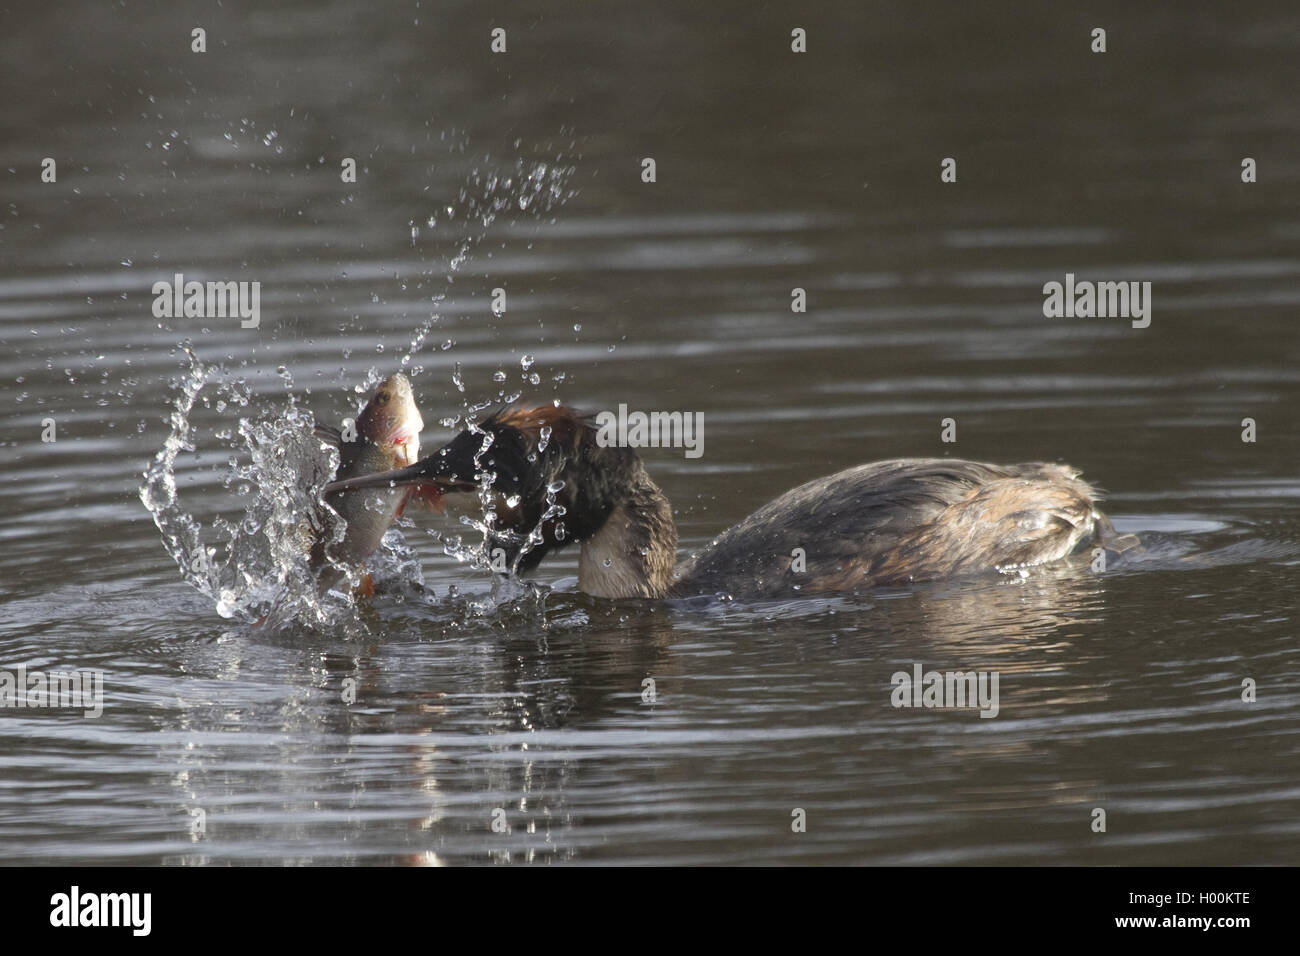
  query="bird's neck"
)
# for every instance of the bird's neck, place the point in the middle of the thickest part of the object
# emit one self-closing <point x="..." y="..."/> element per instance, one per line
<point x="632" y="554"/>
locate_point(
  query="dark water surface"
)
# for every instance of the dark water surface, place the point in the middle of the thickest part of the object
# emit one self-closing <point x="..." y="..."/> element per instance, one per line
<point x="1120" y="690"/>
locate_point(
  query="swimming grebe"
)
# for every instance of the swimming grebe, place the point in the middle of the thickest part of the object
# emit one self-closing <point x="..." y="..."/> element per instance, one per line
<point x="891" y="522"/>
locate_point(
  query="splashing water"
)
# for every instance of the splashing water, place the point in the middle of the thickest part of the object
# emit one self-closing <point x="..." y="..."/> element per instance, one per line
<point x="181" y="533"/>
<point x="258" y="567"/>
<point x="259" y="564"/>
<point x="535" y="189"/>
<point x="486" y="554"/>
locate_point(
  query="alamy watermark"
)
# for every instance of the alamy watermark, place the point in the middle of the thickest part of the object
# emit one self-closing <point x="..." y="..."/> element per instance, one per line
<point x="130" y="910"/>
<point x="1103" y="300"/>
<point x="946" y="689"/>
<point x="651" y="430"/>
<point x="208" y="300"/>
<point x="73" y="690"/>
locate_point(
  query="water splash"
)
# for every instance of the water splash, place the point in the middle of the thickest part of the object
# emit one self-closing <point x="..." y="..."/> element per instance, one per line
<point x="182" y="534"/>
<point x="258" y="565"/>
<point x="487" y="554"/>
<point x="535" y="189"/>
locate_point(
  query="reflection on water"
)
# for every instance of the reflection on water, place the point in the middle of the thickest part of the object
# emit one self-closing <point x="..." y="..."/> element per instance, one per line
<point x="441" y="709"/>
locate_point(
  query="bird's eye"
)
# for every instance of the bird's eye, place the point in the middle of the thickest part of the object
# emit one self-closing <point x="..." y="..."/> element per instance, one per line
<point x="382" y="398"/>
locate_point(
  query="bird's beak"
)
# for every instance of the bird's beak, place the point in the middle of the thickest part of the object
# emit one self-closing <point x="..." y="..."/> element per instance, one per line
<point x="456" y="466"/>
<point x="437" y="470"/>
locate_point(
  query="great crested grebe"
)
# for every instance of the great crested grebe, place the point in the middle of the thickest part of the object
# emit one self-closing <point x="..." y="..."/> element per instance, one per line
<point x="890" y="522"/>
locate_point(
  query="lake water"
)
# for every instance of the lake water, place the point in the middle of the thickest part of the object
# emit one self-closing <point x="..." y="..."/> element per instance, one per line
<point x="1120" y="690"/>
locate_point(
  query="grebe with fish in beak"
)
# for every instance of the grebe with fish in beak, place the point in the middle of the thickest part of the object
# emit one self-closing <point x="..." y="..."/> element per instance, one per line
<point x="887" y="523"/>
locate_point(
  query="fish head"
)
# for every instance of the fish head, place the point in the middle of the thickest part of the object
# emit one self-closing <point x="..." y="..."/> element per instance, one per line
<point x="391" y="420"/>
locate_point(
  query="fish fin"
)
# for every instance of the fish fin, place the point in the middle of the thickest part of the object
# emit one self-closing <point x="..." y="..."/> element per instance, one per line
<point x="328" y="434"/>
<point x="365" y="589"/>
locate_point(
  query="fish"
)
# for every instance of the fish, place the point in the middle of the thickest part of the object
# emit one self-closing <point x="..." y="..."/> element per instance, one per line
<point x="387" y="436"/>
